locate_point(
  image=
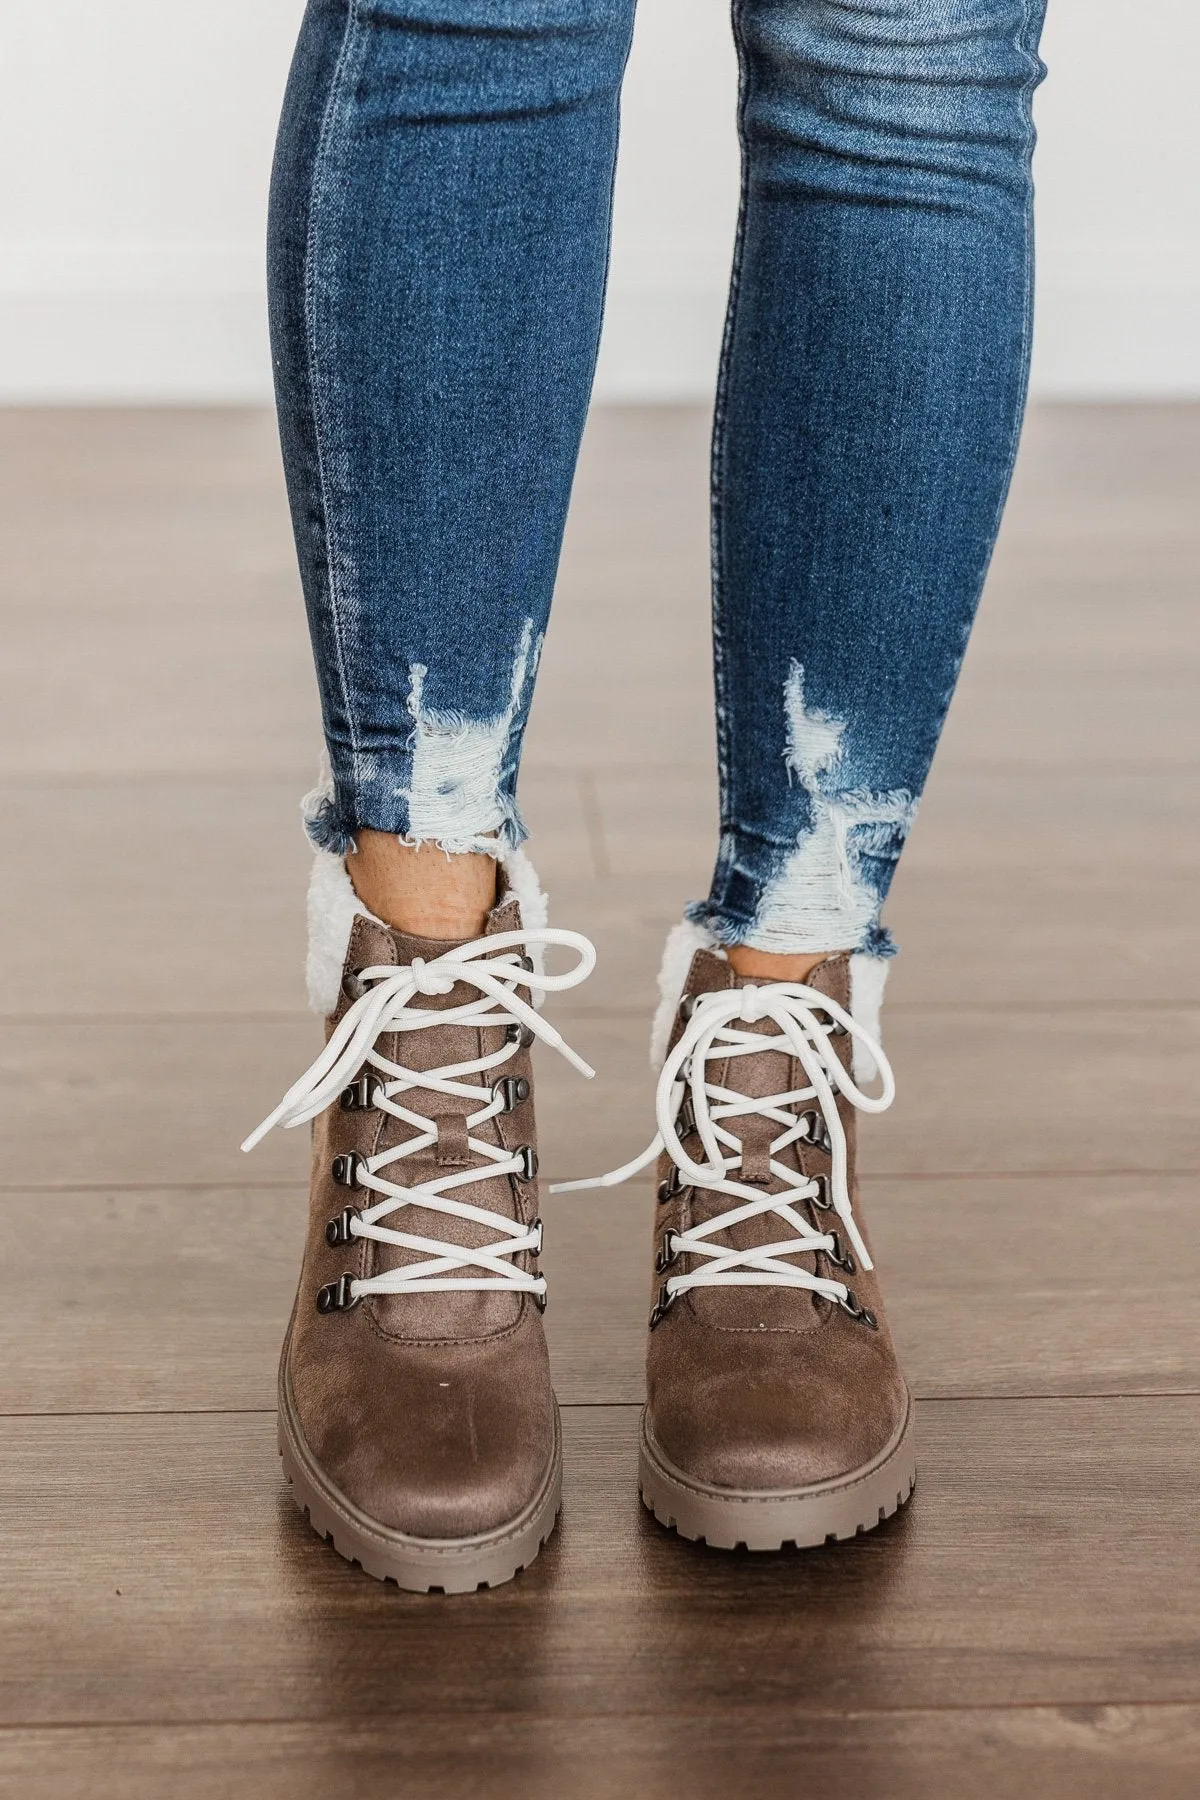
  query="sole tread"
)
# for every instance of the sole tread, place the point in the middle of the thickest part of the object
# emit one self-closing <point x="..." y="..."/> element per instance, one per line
<point x="862" y="1509"/>
<point x="413" y="1583"/>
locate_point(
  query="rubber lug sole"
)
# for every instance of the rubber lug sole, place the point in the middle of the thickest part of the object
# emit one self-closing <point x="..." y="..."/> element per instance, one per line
<point x="729" y="1519"/>
<point x="419" y="1565"/>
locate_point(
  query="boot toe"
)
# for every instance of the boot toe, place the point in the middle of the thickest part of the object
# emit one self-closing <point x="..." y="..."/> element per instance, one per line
<point x="800" y="1418"/>
<point x="437" y="1447"/>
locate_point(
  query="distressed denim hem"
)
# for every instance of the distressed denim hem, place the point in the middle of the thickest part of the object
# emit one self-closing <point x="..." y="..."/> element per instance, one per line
<point x="331" y="820"/>
<point x="730" y="929"/>
<point x="824" y="890"/>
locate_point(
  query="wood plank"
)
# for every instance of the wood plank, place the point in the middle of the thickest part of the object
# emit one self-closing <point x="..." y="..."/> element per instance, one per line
<point x="615" y="684"/>
<point x="210" y="919"/>
<point x="1053" y="1753"/>
<point x="239" y="913"/>
<point x="169" y="1300"/>
<point x="1021" y="711"/>
<point x="156" y="1101"/>
<point x="170" y="495"/>
<point x="177" y="505"/>
<point x="157" y="1572"/>
<point x="1028" y="1627"/>
<point x="149" y="1101"/>
<point x="966" y="938"/>
<point x="105" y="689"/>
<point x="167" y="539"/>
<point x="1115" y="473"/>
<point x="1028" y="1091"/>
<point x="1002" y="822"/>
<point x="229" y="868"/>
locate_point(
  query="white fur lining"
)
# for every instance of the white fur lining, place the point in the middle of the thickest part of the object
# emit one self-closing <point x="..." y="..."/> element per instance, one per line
<point x="683" y="941"/>
<point x="527" y="889"/>
<point x="868" y="975"/>
<point x="868" y="978"/>
<point x="333" y="907"/>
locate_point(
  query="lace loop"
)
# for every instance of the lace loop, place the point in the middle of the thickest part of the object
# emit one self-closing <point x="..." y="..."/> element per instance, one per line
<point x="806" y="1021"/>
<point x="427" y="983"/>
<point x="495" y="967"/>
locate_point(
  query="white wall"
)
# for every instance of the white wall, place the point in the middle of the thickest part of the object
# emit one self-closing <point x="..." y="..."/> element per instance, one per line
<point x="135" y="141"/>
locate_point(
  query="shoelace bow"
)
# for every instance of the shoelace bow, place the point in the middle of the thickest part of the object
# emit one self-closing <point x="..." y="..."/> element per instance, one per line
<point x="807" y="1020"/>
<point x="383" y="1008"/>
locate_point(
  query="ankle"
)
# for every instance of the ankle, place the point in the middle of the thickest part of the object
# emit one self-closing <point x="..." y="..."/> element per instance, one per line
<point x="421" y="890"/>
<point x="764" y="965"/>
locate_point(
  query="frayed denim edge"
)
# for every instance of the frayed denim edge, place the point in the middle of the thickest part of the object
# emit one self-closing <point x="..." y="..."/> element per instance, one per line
<point x="877" y="940"/>
<point x="330" y="826"/>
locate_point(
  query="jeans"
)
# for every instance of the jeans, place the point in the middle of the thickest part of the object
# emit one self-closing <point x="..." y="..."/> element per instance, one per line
<point x="438" y="248"/>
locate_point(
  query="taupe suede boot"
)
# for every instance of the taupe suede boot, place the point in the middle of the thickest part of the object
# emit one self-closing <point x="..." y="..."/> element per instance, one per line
<point x="776" y="1412"/>
<point x="417" y="1423"/>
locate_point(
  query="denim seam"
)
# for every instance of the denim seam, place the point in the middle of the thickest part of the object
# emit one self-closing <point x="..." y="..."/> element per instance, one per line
<point x="1021" y="44"/>
<point x="612" y="188"/>
<point x="321" y="423"/>
<point x="719" y="471"/>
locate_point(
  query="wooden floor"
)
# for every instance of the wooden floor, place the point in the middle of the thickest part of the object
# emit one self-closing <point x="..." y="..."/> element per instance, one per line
<point x="168" y="1625"/>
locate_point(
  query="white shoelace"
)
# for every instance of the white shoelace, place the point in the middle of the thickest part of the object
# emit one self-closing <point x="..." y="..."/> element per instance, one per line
<point x="383" y="1007"/>
<point x="806" y="1020"/>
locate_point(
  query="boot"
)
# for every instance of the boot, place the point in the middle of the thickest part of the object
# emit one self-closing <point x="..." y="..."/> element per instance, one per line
<point x="417" y="1423"/>
<point x="776" y="1412"/>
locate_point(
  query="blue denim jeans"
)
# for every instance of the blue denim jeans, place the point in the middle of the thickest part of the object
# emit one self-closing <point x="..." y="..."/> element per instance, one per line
<point x="438" y="249"/>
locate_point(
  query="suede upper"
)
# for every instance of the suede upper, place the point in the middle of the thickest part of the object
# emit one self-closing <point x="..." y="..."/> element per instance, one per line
<point x="768" y="1389"/>
<point x="431" y="1412"/>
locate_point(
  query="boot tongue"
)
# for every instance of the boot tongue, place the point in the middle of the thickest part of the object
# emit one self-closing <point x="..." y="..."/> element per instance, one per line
<point x="433" y="1315"/>
<point x="766" y="1072"/>
<point x="757" y="1076"/>
<point x="769" y="1072"/>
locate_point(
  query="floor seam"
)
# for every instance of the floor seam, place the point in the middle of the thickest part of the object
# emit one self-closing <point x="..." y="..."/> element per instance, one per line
<point x="225" y="1412"/>
<point x="464" y="1721"/>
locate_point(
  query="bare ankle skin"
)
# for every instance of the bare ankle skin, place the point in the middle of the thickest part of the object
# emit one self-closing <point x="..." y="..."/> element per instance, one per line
<point x="762" y="964"/>
<point x="421" y="890"/>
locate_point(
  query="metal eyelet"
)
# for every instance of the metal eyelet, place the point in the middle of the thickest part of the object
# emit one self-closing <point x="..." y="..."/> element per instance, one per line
<point x="662" y="1306"/>
<point x="540" y="1297"/>
<point x="529" y="1161"/>
<point x="361" y="1095"/>
<point x="537" y="1226"/>
<point x="821" y="1199"/>
<point x="520" y="1035"/>
<point x="666" y="1254"/>
<point x="353" y="985"/>
<point x="687" y="1005"/>
<point x="841" y="1259"/>
<point x="344" y="1169"/>
<point x="510" y="1091"/>
<point x="335" y="1296"/>
<point x="338" y="1230"/>
<point x="685" y="1118"/>
<point x="817" y="1133"/>
<point x="524" y="962"/>
<point x="863" y="1314"/>
<point x="668" y="1189"/>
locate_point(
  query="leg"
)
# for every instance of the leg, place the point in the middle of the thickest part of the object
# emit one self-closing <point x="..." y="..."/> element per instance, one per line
<point x="419" y="889"/>
<point x="871" y="393"/>
<point x="874" y="377"/>
<point x="439" y="233"/>
<point x="438" y="246"/>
